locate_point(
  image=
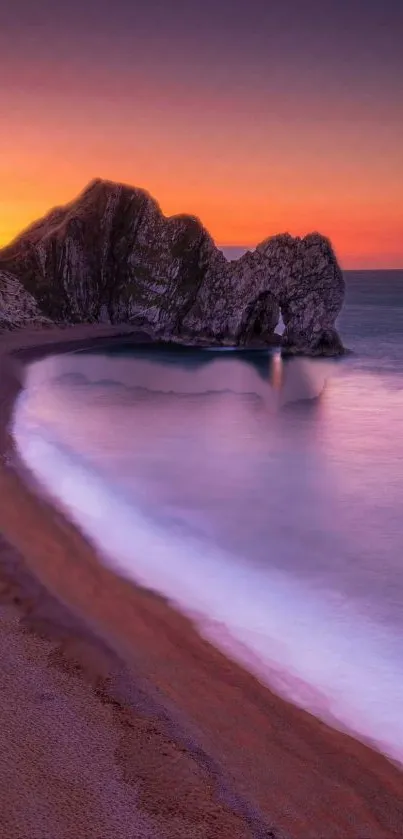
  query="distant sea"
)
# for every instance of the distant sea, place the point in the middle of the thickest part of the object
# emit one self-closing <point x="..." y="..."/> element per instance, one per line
<point x="262" y="497"/>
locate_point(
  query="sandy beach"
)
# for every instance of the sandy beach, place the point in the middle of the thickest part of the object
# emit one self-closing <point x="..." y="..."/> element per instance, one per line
<point x="120" y="721"/>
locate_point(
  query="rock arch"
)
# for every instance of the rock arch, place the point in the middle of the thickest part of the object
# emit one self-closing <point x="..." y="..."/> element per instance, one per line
<point x="112" y="253"/>
<point x="259" y="321"/>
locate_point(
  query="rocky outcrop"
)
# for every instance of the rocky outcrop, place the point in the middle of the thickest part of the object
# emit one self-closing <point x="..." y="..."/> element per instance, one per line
<point x="112" y="256"/>
<point x="18" y="308"/>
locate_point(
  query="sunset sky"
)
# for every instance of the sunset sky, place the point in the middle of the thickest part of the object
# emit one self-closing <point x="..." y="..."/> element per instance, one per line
<point x="257" y="116"/>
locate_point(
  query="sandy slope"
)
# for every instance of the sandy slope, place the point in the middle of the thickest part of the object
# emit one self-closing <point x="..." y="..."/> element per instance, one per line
<point x="128" y="724"/>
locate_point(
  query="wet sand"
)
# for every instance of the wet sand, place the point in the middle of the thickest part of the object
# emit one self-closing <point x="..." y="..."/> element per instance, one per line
<point x="119" y="720"/>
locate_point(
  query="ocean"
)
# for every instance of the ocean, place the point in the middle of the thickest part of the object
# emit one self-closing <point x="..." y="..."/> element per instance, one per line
<point x="262" y="497"/>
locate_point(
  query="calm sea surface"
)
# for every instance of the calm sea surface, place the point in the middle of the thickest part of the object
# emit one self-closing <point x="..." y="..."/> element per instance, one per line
<point x="264" y="498"/>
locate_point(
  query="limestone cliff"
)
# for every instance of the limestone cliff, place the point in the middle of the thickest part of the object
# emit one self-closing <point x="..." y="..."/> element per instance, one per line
<point x="112" y="256"/>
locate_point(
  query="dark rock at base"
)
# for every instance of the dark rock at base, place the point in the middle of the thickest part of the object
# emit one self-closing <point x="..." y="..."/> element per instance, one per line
<point x="324" y="343"/>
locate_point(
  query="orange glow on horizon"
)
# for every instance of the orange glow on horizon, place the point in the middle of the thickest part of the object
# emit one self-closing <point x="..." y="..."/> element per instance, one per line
<point x="364" y="242"/>
<point x="246" y="180"/>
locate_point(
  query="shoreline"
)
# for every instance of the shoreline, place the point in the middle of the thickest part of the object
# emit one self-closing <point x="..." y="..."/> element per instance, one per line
<point x="266" y="765"/>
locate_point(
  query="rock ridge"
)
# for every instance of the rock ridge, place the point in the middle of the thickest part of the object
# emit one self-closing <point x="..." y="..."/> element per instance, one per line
<point x="111" y="256"/>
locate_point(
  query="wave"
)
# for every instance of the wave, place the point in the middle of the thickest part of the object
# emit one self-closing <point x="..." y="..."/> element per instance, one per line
<point x="307" y="644"/>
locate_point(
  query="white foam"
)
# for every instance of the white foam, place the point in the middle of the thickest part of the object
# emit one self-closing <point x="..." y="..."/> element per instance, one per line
<point x="307" y="644"/>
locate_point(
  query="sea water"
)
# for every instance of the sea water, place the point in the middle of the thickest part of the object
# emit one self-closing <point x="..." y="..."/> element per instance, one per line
<point x="263" y="497"/>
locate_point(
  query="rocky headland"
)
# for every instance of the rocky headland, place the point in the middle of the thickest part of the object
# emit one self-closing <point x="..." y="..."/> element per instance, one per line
<point x="111" y="256"/>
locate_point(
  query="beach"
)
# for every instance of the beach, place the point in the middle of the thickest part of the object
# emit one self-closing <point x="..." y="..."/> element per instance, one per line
<point x="121" y="720"/>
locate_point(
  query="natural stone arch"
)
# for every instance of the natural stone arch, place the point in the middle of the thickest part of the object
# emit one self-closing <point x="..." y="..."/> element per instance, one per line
<point x="299" y="278"/>
<point x="259" y="321"/>
<point x="112" y="253"/>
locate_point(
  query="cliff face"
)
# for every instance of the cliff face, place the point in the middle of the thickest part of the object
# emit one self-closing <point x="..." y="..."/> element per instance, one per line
<point x="112" y="256"/>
